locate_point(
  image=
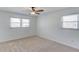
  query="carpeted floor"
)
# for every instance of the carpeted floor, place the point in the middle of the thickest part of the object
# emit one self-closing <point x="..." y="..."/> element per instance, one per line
<point x="34" y="44"/>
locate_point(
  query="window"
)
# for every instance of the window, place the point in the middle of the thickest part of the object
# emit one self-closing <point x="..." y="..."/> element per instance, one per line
<point x="17" y="22"/>
<point x="70" y="21"/>
<point x="25" y="22"/>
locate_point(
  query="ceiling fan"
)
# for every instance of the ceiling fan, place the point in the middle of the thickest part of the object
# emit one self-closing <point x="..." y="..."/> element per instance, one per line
<point x="36" y="11"/>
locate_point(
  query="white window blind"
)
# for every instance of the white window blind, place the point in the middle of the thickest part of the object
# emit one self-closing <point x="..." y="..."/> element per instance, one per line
<point x="15" y="22"/>
<point x="70" y="21"/>
<point x="25" y="22"/>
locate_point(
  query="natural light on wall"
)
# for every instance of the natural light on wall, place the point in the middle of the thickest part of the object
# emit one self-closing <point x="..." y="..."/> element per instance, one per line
<point x="70" y="21"/>
<point x="17" y="22"/>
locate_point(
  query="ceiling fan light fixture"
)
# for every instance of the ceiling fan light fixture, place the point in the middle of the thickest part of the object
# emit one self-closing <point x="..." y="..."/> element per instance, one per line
<point x="33" y="13"/>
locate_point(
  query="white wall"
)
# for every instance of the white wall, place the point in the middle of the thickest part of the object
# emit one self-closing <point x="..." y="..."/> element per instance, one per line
<point x="49" y="26"/>
<point x="7" y="33"/>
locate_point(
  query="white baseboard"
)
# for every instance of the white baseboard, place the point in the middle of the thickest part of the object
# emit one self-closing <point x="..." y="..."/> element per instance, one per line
<point x="64" y="43"/>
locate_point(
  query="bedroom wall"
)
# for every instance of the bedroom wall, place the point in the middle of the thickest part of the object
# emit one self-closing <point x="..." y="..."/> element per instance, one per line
<point x="49" y="27"/>
<point x="8" y="33"/>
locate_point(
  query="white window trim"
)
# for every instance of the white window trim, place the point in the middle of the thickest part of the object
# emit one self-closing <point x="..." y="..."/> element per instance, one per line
<point x="21" y="23"/>
<point x="70" y="21"/>
<point x="27" y="23"/>
<point x="15" y="22"/>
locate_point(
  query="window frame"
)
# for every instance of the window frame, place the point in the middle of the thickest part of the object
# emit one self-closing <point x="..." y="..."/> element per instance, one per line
<point x="26" y="22"/>
<point x="20" y="22"/>
<point x="70" y="21"/>
<point x="15" y="22"/>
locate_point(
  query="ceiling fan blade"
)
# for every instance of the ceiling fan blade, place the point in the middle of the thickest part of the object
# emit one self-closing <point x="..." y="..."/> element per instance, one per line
<point x="39" y="10"/>
<point x="36" y="10"/>
<point x="33" y="8"/>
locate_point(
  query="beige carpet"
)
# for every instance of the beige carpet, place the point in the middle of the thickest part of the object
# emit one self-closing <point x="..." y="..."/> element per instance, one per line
<point x="34" y="44"/>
